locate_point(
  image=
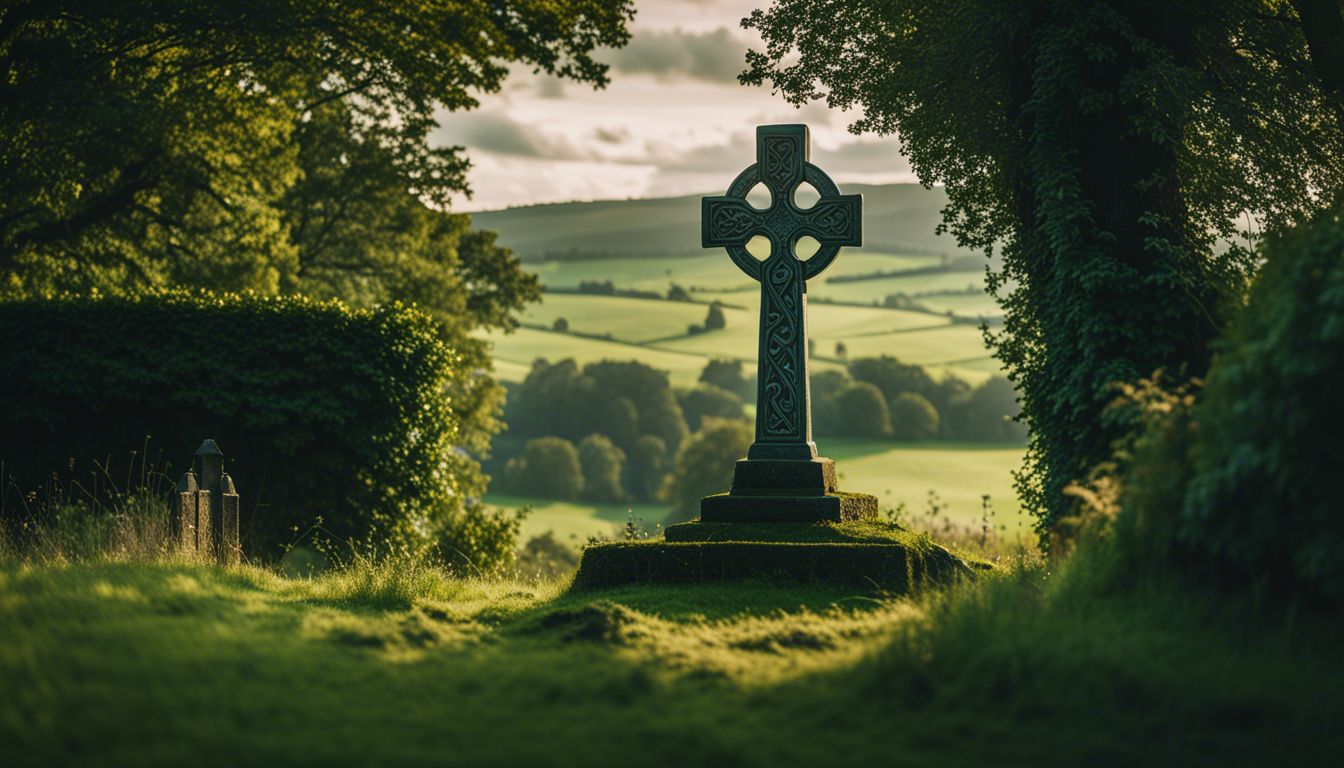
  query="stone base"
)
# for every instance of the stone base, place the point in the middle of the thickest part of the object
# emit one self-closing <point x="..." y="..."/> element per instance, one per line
<point x="865" y="555"/>
<point x="833" y="507"/>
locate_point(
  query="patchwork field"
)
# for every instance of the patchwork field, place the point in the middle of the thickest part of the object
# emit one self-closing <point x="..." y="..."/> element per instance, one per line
<point x="960" y="474"/>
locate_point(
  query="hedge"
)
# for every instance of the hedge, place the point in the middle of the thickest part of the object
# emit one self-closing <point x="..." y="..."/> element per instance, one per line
<point x="329" y="417"/>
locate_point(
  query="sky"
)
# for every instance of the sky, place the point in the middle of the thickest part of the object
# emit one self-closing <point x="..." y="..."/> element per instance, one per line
<point x="673" y="121"/>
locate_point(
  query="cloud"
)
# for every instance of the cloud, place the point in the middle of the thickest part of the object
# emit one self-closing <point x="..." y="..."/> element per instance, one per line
<point x="617" y="135"/>
<point x="496" y="132"/>
<point x="716" y="56"/>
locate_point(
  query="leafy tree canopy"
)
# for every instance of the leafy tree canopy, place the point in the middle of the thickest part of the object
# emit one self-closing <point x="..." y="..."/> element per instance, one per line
<point x="1112" y="151"/>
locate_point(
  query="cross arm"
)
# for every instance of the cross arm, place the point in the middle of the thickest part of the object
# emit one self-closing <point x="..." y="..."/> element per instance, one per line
<point x="728" y="221"/>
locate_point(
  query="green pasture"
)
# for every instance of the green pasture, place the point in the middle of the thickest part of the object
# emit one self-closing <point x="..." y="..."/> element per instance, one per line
<point x="897" y="473"/>
<point x="869" y="291"/>
<point x="168" y="664"/>
<point x="626" y="319"/>
<point x="575" y="521"/>
<point x="517" y="350"/>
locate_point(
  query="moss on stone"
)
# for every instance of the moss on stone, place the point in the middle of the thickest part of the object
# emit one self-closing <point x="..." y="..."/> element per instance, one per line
<point x="898" y="564"/>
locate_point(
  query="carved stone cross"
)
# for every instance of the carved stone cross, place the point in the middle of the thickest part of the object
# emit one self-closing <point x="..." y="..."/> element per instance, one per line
<point x="783" y="410"/>
<point x="782" y="479"/>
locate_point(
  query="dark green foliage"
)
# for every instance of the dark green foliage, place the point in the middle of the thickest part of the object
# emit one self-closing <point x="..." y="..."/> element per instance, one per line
<point x="892" y="377"/>
<point x="984" y="413"/>
<point x="647" y="468"/>
<point x="677" y="293"/>
<point x="601" y="462"/>
<point x="561" y="325"/>
<point x="1104" y="148"/>
<point x="324" y="413"/>
<point x="709" y="400"/>
<point x="270" y="145"/>
<point x="1267" y="450"/>
<point x="826" y="387"/>
<point x="913" y="417"/>
<point x="549" y="467"/>
<point x="715" y="319"/>
<point x="727" y="374"/>
<point x="621" y="400"/>
<point x="862" y="411"/>
<point x="704" y="465"/>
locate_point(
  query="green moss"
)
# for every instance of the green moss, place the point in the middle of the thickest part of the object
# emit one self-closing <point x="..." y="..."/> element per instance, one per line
<point x="850" y="532"/>
<point x="890" y="566"/>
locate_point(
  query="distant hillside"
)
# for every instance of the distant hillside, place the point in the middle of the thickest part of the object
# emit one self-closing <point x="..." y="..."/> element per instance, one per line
<point x="897" y="218"/>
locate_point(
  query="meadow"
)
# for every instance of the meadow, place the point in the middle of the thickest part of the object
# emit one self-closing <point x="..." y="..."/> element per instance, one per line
<point x="170" y="663"/>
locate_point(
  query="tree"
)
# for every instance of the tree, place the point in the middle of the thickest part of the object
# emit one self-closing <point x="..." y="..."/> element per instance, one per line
<point x="913" y="417"/>
<point x="561" y="325"/>
<point x="549" y="467"/>
<point x="601" y="462"/>
<point x="677" y="293"/>
<point x="1105" y="148"/>
<point x="862" y="411"/>
<point x="826" y="387"/>
<point x="985" y="413"/>
<point x="892" y="377"/>
<point x="648" y="389"/>
<point x="727" y="374"/>
<point x="647" y="468"/>
<point x="715" y="319"/>
<point x="151" y="143"/>
<point x="707" y="400"/>
<point x="705" y="464"/>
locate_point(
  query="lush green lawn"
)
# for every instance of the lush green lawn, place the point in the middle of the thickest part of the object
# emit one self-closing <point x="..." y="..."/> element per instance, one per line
<point x="959" y="473"/>
<point x="145" y="665"/>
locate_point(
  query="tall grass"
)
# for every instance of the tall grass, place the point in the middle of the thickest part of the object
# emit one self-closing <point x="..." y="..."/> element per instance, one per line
<point x="102" y="518"/>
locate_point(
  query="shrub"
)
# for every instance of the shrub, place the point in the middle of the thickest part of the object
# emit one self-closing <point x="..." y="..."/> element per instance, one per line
<point x="549" y="467"/>
<point x="324" y="412"/>
<point x="601" y="462"/>
<point x="561" y="325"/>
<point x="913" y="417"/>
<point x="862" y="411"/>
<point x="1267" y="450"/>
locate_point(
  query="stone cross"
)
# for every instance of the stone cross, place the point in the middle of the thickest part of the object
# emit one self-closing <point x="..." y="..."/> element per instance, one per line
<point x="783" y="410"/>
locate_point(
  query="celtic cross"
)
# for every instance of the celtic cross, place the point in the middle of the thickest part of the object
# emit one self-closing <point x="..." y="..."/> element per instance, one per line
<point x="783" y="412"/>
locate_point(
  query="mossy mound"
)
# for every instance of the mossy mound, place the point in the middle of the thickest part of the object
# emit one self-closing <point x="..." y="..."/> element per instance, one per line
<point x="865" y="554"/>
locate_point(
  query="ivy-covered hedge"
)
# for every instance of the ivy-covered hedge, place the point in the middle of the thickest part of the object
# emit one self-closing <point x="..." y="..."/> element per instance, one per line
<point x="325" y="414"/>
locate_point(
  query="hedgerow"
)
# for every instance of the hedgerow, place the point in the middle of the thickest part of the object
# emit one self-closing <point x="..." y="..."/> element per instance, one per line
<point x="335" y="422"/>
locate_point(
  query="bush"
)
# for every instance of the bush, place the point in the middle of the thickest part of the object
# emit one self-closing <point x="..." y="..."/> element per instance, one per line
<point x="561" y="325"/>
<point x="601" y="462"/>
<point x="705" y="464"/>
<point x="1269" y="442"/>
<point x="913" y="417"/>
<point x="549" y="467"/>
<point x="862" y="411"/>
<point x="324" y="412"/>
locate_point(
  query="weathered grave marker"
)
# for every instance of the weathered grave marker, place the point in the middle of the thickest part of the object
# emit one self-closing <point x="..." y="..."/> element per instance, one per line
<point x="205" y="514"/>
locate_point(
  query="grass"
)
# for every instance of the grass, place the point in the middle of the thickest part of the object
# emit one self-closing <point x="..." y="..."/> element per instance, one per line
<point x="125" y="663"/>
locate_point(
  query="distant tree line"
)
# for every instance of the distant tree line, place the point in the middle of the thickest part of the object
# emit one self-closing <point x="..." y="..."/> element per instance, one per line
<point x="616" y="431"/>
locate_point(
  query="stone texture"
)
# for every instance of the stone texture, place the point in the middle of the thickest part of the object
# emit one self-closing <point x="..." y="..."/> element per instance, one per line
<point x="766" y="477"/>
<point x="833" y="507"/>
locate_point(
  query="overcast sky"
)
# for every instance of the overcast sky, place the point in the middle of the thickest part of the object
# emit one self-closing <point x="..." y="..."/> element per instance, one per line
<point x="673" y="120"/>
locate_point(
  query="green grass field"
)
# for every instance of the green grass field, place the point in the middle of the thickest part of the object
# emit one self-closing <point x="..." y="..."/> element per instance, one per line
<point x="960" y="474"/>
<point x="164" y="664"/>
